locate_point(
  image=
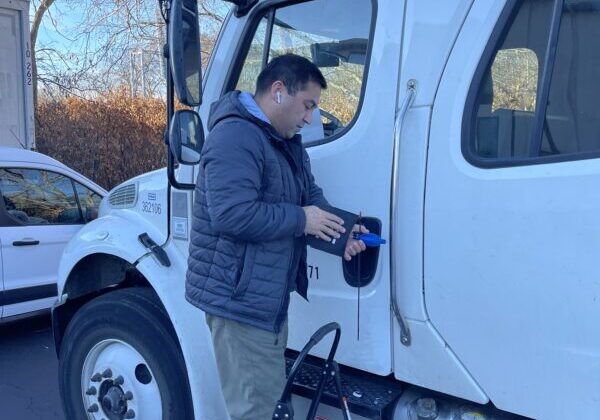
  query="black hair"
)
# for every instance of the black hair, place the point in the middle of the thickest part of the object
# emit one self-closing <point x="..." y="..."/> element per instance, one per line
<point x="293" y="70"/>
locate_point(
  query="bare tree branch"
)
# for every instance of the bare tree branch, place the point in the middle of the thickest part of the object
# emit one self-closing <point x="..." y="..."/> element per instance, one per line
<point x="115" y="42"/>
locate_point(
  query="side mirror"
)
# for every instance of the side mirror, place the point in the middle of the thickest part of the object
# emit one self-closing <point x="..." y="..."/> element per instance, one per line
<point x="322" y="57"/>
<point x="330" y="54"/>
<point x="186" y="136"/>
<point x="184" y="51"/>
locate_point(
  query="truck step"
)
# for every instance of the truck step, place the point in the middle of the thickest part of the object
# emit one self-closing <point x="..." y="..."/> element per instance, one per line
<point x="368" y="395"/>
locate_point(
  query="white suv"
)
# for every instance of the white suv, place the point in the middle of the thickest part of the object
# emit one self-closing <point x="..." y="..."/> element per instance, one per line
<point x="43" y="204"/>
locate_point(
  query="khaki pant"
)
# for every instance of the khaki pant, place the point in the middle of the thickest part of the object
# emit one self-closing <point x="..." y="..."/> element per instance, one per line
<point x="251" y="367"/>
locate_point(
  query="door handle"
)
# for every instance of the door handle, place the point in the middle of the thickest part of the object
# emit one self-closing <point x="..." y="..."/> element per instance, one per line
<point x="26" y="242"/>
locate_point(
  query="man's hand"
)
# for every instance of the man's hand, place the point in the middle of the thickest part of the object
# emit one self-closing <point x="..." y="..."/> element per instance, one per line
<point x="353" y="246"/>
<point x="322" y="224"/>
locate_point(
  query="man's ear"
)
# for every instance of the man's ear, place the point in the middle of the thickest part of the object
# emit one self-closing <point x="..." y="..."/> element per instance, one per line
<point x="277" y="87"/>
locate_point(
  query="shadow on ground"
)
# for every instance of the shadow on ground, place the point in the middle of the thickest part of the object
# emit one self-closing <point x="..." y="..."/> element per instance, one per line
<point x="28" y="371"/>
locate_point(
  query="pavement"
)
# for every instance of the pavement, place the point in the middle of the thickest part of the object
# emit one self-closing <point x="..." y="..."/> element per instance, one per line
<point x="29" y="371"/>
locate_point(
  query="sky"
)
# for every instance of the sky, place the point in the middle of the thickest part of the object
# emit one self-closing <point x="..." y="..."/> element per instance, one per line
<point x="60" y="19"/>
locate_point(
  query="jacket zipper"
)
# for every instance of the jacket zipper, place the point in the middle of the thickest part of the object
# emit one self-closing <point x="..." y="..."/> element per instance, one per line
<point x="287" y="151"/>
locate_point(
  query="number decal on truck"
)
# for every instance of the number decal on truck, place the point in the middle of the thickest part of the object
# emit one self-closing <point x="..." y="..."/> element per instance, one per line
<point x="150" y="207"/>
<point x="28" y="65"/>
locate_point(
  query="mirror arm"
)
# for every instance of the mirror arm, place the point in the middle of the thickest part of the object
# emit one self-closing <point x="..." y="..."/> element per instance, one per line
<point x="242" y="7"/>
<point x="164" y="6"/>
<point x="171" y="175"/>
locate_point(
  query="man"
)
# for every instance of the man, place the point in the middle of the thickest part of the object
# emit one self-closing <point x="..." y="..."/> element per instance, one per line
<point x="255" y="200"/>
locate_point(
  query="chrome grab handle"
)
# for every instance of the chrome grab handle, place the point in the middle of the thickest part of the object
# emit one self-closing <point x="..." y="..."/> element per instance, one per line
<point x="411" y="91"/>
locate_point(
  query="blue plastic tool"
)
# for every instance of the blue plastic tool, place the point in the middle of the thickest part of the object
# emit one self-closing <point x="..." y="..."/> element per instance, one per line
<point x="370" y="239"/>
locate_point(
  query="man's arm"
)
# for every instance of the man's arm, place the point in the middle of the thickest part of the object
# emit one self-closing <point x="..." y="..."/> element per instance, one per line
<point x="233" y="164"/>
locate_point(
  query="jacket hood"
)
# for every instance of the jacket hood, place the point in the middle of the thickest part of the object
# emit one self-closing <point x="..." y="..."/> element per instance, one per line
<point x="229" y="106"/>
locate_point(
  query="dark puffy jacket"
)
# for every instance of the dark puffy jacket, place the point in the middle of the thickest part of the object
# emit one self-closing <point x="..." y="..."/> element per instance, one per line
<point x="247" y="247"/>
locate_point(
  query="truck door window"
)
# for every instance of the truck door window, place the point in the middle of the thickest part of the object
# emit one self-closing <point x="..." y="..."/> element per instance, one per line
<point x="36" y="197"/>
<point x="506" y="99"/>
<point x="506" y="111"/>
<point x="333" y="36"/>
<point x="572" y="126"/>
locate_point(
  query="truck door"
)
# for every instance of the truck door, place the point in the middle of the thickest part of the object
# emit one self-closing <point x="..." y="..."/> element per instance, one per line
<point x="512" y="204"/>
<point x="350" y="146"/>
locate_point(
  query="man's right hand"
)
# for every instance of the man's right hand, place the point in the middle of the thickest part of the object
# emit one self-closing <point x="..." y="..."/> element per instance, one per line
<point x="322" y="224"/>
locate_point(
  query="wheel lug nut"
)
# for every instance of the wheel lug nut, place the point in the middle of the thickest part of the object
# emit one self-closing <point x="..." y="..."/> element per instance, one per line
<point x="96" y="378"/>
<point x="107" y="373"/>
<point x="119" y="380"/>
<point x="93" y="408"/>
<point x="128" y="396"/>
<point x="91" y="391"/>
<point x="130" y="414"/>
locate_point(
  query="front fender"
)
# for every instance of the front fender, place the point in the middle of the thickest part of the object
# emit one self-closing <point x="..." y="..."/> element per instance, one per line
<point x="117" y="235"/>
<point x="114" y="234"/>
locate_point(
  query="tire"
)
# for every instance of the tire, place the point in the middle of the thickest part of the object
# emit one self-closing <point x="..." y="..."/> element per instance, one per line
<point x="121" y="348"/>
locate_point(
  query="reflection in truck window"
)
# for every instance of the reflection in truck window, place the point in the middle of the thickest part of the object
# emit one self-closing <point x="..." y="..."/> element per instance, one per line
<point x="254" y="59"/>
<point x="510" y="90"/>
<point x="334" y="37"/>
<point x="506" y="98"/>
<point x="572" y="125"/>
<point x="515" y="79"/>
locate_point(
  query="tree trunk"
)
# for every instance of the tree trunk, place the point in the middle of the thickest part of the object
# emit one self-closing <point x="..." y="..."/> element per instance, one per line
<point x="35" y="26"/>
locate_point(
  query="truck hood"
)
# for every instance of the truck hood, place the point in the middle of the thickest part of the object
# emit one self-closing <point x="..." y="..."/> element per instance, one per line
<point x="145" y="195"/>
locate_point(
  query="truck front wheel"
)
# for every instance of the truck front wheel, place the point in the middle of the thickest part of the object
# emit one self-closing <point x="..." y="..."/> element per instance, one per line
<point x="120" y="360"/>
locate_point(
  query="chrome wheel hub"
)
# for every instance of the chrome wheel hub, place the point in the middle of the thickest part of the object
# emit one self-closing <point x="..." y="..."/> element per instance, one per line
<point x="117" y="383"/>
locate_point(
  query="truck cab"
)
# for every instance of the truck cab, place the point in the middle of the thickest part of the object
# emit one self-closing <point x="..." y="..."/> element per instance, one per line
<point x="465" y="135"/>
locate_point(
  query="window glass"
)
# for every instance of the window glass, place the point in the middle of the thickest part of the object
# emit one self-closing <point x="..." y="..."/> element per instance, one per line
<point x="89" y="202"/>
<point x="36" y="197"/>
<point x="211" y="15"/>
<point x="572" y="125"/>
<point x="506" y="98"/>
<point x="514" y="79"/>
<point x="333" y="36"/>
<point x="254" y="59"/>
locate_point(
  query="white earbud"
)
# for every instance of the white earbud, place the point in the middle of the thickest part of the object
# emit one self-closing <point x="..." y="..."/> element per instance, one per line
<point x="278" y="97"/>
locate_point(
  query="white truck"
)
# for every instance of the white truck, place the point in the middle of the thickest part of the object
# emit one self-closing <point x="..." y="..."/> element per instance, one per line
<point x="16" y="85"/>
<point x="464" y="131"/>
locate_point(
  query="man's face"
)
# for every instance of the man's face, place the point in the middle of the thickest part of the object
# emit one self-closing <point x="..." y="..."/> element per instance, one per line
<point x="295" y="111"/>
